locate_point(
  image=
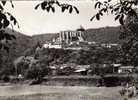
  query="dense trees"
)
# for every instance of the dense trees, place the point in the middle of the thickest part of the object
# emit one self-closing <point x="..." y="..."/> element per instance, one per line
<point x="6" y="20"/>
<point x="80" y="57"/>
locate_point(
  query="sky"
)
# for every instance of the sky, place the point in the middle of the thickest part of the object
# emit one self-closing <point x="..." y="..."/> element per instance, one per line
<point x="34" y="22"/>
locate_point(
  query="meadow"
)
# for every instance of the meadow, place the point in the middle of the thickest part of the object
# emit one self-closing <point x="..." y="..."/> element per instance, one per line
<point x="41" y="92"/>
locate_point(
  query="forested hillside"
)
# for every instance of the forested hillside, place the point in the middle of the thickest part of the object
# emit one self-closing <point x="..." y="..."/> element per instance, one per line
<point x="20" y="44"/>
<point x="103" y="35"/>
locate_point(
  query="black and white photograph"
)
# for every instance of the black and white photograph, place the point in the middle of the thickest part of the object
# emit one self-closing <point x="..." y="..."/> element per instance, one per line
<point x="68" y="49"/>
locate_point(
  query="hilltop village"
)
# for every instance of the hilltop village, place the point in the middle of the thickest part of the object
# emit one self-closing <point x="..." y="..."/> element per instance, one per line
<point x="74" y="40"/>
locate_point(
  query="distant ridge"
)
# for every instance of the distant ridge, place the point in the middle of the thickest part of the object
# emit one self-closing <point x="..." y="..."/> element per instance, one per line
<point x="43" y="37"/>
<point x="102" y="35"/>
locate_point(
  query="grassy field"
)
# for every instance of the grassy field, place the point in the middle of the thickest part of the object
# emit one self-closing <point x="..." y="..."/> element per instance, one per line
<point x="41" y="92"/>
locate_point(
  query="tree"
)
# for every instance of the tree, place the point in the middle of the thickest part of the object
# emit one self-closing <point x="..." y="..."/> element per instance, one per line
<point x="6" y="20"/>
<point x="49" y="5"/>
<point x="125" y="12"/>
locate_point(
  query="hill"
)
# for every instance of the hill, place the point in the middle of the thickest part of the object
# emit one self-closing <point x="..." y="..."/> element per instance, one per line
<point x="43" y="37"/>
<point x="19" y="45"/>
<point x="24" y="42"/>
<point x="102" y="35"/>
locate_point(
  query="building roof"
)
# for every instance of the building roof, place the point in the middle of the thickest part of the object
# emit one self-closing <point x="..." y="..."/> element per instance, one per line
<point x="52" y="67"/>
<point x="116" y="65"/>
<point x="126" y="67"/>
<point x="80" y="70"/>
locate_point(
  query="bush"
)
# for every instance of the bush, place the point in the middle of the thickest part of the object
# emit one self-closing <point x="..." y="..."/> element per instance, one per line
<point x="65" y="71"/>
<point x="6" y="70"/>
<point x="111" y="81"/>
<point x="37" y="71"/>
<point x="98" y="69"/>
<point x="22" y="67"/>
<point x="5" y="78"/>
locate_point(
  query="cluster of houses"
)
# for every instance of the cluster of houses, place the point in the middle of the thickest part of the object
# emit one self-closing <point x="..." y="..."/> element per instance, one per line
<point x="86" y="69"/>
<point x="72" y="69"/>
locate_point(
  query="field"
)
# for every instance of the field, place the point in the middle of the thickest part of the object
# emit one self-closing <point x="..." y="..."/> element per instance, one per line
<point x="41" y="92"/>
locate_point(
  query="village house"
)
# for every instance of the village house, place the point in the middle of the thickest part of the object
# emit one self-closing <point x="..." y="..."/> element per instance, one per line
<point x="118" y="68"/>
<point x="126" y="69"/>
<point x="81" y="70"/>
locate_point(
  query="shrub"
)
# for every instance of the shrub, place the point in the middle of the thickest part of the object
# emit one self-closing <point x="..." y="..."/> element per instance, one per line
<point x="65" y="71"/>
<point x="37" y="71"/>
<point x="6" y="70"/>
<point x="5" y="78"/>
<point x="111" y="81"/>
